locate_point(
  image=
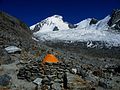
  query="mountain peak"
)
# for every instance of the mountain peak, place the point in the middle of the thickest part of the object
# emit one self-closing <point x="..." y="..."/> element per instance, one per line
<point x="49" y="24"/>
<point x="53" y="19"/>
<point x="57" y="16"/>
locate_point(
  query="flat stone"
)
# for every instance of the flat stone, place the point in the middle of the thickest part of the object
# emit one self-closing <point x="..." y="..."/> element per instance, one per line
<point x="58" y="80"/>
<point x="37" y="81"/>
<point x="12" y="49"/>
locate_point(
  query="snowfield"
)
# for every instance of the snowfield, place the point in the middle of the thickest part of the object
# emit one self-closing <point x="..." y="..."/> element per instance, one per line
<point x="50" y="23"/>
<point x="111" y="38"/>
<point x="84" y="32"/>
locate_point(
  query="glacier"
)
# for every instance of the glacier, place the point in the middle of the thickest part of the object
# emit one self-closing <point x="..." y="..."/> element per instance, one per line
<point x="84" y="32"/>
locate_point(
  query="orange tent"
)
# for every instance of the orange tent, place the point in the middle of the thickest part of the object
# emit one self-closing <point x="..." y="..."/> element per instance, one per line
<point x="50" y="58"/>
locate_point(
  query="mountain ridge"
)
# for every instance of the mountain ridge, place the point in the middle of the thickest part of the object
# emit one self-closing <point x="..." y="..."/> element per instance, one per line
<point x="52" y="28"/>
<point x="89" y="34"/>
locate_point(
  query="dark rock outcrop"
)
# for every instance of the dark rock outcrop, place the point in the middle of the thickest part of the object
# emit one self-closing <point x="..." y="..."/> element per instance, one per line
<point x="115" y="20"/>
<point x="93" y="21"/>
<point x="72" y="26"/>
<point x="55" y="29"/>
<point x="37" y="28"/>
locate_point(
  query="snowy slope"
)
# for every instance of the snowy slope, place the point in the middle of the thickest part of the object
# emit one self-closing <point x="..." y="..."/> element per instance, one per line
<point x="50" y="23"/>
<point x="83" y="33"/>
<point x="100" y="25"/>
<point x="111" y="39"/>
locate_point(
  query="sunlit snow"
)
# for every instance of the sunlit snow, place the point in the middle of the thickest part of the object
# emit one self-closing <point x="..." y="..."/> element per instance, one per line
<point x="84" y="32"/>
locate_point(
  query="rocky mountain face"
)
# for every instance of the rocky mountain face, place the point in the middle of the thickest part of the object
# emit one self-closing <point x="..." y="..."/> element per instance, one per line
<point x="56" y="21"/>
<point x="13" y="32"/>
<point x="53" y="23"/>
<point x="114" y="22"/>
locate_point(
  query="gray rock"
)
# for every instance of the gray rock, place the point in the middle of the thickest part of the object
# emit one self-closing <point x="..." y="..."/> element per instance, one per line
<point x="47" y="72"/>
<point x="60" y="70"/>
<point x="4" y="57"/>
<point x="75" y="82"/>
<point x="115" y="20"/>
<point x="5" y="80"/>
<point x="58" y="80"/>
<point x="92" y="78"/>
<point x="105" y="83"/>
<point x="56" y="86"/>
<point x="73" y="70"/>
<point x="51" y="77"/>
<point x="12" y="49"/>
<point x="37" y="81"/>
<point x="53" y="72"/>
<point x="60" y="75"/>
<point x="41" y="75"/>
<point x="45" y="81"/>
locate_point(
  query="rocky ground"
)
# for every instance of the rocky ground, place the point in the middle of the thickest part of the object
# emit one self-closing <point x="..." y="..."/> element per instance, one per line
<point x="82" y="73"/>
<point x="22" y="68"/>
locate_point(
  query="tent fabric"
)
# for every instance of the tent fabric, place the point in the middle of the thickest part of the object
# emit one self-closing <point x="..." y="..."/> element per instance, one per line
<point x="50" y="58"/>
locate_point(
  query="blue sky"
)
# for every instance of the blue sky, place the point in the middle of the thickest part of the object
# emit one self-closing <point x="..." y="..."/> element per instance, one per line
<point x="73" y="11"/>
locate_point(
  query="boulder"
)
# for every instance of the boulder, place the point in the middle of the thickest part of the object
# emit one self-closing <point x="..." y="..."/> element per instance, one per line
<point x="5" y="80"/>
<point x="75" y="82"/>
<point x="12" y="49"/>
<point x="105" y="84"/>
<point x="4" y="57"/>
<point x="45" y="81"/>
<point x="74" y="70"/>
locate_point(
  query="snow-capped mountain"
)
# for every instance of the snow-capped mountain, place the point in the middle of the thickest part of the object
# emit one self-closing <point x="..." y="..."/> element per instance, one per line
<point x="52" y="23"/>
<point x="90" y="30"/>
<point x="56" y="23"/>
<point x="100" y="25"/>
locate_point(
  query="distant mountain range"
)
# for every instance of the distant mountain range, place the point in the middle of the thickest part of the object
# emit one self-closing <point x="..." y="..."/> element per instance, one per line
<point x="54" y="29"/>
<point x="90" y="36"/>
